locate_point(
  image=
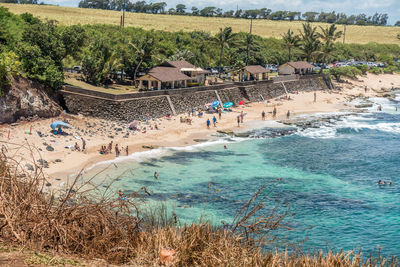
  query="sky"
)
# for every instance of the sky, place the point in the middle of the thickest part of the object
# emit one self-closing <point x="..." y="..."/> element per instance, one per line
<point x="369" y="7"/>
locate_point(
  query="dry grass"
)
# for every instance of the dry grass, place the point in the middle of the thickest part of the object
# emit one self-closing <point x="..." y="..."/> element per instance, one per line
<point x="265" y="28"/>
<point x="90" y="225"/>
<point x="74" y="79"/>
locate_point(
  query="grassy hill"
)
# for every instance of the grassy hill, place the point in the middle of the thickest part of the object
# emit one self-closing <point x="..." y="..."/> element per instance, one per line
<point x="265" y="28"/>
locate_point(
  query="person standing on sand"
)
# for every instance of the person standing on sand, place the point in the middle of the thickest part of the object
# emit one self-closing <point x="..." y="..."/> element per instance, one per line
<point x="241" y="116"/>
<point x="208" y="123"/>
<point x="127" y="150"/>
<point x="215" y="121"/>
<point x="315" y="96"/>
<point x="83" y="144"/>
<point x="219" y="113"/>
<point x="288" y="114"/>
<point x="110" y="145"/>
<point x="263" y="115"/>
<point x="274" y="113"/>
<point x="116" y="150"/>
<point x="238" y="120"/>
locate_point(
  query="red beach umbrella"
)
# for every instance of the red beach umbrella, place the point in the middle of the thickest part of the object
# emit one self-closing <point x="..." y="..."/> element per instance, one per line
<point x="241" y="102"/>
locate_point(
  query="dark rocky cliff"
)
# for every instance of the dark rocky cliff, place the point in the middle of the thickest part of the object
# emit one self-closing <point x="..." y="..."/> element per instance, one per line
<point x="24" y="99"/>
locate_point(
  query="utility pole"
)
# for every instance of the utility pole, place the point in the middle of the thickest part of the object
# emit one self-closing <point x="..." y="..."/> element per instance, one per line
<point x="344" y="34"/>
<point x="123" y="15"/>
<point x="248" y="42"/>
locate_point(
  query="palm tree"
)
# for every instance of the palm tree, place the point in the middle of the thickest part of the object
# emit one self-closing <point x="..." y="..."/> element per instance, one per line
<point x="309" y="41"/>
<point x="145" y="49"/>
<point x="328" y="35"/>
<point x="291" y="41"/>
<point x="224" y="39"/>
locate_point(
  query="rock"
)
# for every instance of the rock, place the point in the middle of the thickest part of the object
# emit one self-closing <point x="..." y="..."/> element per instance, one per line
<point x="364" y="106"/>
<point x="227" y="132"/>
<point x="29" y="167"/>
<point x="246" y="134"/>
<point x="58" y="160"/>
<point x="200" y="140"/>
<point x="150" y="146"/>
<point x="49" y="148"/>
<point x="25" y="98"/>
<point x="48" y="184"/>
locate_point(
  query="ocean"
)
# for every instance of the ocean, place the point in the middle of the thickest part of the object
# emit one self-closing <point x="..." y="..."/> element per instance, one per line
<point x="327" y="176"/>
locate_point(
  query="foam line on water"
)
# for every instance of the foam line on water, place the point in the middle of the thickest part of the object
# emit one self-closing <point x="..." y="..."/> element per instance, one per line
<point x="145" y="155"/>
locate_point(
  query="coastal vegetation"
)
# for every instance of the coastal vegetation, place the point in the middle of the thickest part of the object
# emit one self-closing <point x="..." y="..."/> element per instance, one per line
<point x="41" y="50"/>
<point x="265" y="28"/>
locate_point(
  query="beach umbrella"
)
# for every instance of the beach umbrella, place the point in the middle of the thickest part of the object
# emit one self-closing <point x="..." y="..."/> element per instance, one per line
<point x="228" y="105"/>
<point x="59" y="124"/>
<point x="215" y="103"/>
<point x="208" y="104"/>
<point x="241" y="102"/>
<point x="133" y="124"/>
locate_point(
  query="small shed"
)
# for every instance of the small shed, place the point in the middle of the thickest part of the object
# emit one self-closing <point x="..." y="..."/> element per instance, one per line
<point x="298" y="67"/>
<point x="256" y="73"/>
<point x="163" y="78"/>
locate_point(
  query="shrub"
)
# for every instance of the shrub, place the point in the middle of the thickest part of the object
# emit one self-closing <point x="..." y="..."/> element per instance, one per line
<point x="9" y="66"/>
<point x="363" y="68"/>
<point x="375" y="70"/>
<point x="350" y="72"/>
<point x="390" y="69"/>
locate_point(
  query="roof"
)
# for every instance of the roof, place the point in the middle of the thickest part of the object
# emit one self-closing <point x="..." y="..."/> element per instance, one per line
<point x="179" y="64"/>
<point x="300" y="65"/>
<point x="255" y="69"/>
<point x="168" y="74"/>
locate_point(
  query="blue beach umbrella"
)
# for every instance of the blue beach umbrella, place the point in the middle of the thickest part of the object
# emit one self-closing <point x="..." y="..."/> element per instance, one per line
<point x="228" y="105"/>
<point x="215" y="103"/>
<point x="59" y="124"/>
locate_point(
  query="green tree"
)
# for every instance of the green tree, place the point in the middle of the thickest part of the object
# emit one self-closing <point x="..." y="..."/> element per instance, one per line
<point x="145" y="49"/>
<point x="291" y="41"/>
<point x="328" y="36"/>
<point x="223" y="39"/>
<point x="309" y="41"/>
<point x="180" y="8"/>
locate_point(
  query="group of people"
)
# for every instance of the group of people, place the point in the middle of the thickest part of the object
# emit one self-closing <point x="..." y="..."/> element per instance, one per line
<point x="380" y="182"/>
<point x="78" y="148"/>
<point x="108" y="149"/>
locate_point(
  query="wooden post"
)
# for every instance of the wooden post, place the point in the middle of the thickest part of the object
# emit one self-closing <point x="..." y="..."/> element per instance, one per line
<point x="159" y="85"/>
<point x="173" y="85"/>
<point x="140" y="84"/>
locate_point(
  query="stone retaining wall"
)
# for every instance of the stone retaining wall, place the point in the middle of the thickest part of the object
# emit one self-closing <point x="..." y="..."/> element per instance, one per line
<point x="183" y="100"/>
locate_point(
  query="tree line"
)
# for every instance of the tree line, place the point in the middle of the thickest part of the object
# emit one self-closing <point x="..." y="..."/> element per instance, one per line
<point x="211" y="11"/>
<point x="42" y="50"/>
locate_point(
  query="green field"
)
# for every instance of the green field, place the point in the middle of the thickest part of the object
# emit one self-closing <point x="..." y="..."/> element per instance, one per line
<point x="265" y="28"/>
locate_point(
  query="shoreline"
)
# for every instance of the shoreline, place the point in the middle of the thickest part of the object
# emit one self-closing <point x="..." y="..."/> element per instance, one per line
<point x="63" y="163"/>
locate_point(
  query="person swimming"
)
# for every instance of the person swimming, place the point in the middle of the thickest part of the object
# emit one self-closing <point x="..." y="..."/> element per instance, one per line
<point x="380" y="182"/>
<point x="156" y="175"/>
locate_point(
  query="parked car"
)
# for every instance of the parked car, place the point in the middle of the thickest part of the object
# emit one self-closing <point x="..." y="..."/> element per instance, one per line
<point x="272" y="67"/>
<point x="381" y="65"/>
<point x="212" y="71"/>
<point x="77" y="69"/>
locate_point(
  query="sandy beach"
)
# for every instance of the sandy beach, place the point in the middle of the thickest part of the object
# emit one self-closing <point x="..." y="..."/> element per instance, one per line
<point x="62" y="160"/>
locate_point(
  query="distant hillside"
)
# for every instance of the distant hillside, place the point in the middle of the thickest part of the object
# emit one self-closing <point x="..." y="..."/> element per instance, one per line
<point x="265" y="28"/>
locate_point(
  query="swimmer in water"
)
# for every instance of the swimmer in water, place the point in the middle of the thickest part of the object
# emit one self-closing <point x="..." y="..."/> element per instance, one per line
<point x="380" y="182"/>
<point x="225" y="147"/>
<point x="156" y="175"/>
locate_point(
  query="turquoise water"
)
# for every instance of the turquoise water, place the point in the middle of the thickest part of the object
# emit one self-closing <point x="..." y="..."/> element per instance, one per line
<point x="328" y="175"/>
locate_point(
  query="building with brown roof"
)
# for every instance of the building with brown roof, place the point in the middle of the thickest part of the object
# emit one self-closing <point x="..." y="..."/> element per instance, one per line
<point x="172" y="74"/>
<point x="299" y="67"/>
<point x="255" y="73"/>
